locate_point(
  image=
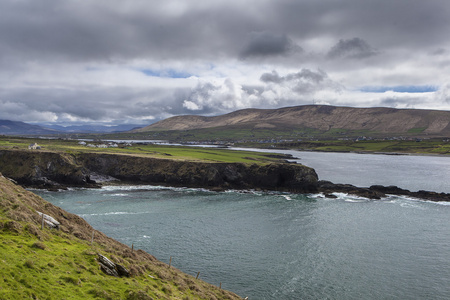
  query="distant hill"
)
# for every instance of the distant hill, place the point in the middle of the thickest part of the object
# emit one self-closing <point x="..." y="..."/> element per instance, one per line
<point x="8" y="127"/>
<point x="20" y="128"/>
<point x="94" y="128"/>
<point x="324" y="118"/>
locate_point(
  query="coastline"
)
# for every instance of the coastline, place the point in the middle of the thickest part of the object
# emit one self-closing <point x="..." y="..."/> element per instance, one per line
<point x="53" y="170"/>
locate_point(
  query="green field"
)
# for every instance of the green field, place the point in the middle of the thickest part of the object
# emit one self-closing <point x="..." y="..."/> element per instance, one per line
<point x="429" y="146"/>
<point x="420" y="146"/>
<point x="155" y="151"/>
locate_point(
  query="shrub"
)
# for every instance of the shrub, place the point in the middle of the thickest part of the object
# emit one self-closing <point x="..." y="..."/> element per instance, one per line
<point x="29" y="264"/>
<point x="38" y="245"/>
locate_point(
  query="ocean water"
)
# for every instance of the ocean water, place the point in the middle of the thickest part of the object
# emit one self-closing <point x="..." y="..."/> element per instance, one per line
<point x="280" y="246"/>
<point x="413" y="172"/>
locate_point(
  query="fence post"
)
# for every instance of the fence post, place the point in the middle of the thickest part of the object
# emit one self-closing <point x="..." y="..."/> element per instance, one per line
<point x="198" y="273"/>
<point x="170" y="262"/>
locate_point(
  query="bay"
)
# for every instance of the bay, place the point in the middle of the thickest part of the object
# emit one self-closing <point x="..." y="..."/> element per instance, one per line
<point x="284" y="246"/>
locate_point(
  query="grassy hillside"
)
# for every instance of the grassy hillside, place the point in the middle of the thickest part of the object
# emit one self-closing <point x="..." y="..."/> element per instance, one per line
<point x="317" y="120"/>
<point x="44" y="263"/>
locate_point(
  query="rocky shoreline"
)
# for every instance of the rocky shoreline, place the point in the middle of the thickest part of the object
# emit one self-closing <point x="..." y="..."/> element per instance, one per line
<point x="58" y="170"/>
<point x="378" y="191"/>
<point x="50" y="170"/>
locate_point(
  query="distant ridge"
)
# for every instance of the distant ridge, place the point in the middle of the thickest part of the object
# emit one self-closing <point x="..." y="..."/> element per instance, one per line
<point x="8" y="127"/>
<point x="94" y="128"/>
<point x="320" y="117"/>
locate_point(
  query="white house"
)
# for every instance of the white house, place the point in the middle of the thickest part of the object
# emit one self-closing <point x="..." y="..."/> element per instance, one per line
<point x="34" y="146"/>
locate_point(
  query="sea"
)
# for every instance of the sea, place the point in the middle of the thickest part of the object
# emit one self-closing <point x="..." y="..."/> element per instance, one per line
<point x="267" y="245"/>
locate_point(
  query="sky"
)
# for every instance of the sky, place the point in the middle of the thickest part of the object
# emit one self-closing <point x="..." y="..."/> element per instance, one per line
<point x="137" y="62"/>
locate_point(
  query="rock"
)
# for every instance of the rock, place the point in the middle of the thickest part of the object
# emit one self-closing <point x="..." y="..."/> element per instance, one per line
<point x="107" y="270"/>
<point x="331" y="196"/>
<point x="49" y="220"/>
<point x="123" y="272"/>
<point x="111" y="268"/>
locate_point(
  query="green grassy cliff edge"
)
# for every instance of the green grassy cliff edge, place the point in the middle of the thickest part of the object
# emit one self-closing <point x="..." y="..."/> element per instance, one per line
<point x="49" y="263"/>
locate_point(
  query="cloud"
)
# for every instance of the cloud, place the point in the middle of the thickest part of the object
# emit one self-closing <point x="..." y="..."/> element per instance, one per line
<point x="273" y="91"/>
<point x="355" y="48"/>
<point x="303" y="82"/>
<point x="142" y="60"/>
<point x="269" y="44"/>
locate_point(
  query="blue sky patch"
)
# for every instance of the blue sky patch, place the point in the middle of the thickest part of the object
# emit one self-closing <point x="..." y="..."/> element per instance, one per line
<point x="169" y="73"/>
<point x="400" y="89"/>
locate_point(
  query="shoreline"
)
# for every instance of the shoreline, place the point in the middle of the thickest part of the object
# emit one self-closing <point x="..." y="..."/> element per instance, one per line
<point x="53" y="171"/>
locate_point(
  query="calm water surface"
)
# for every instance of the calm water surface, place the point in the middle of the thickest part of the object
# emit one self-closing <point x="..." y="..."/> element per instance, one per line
<point x="281" y="246"/>
<point x="287" y="246"/>
<point x="411" y="172"/>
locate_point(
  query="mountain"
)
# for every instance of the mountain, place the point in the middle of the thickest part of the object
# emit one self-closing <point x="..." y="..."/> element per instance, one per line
<point x="94" y="128"/>
<point x="8" y="127"/>
<point x="20" y="128"/>
<point x="323" y="118"/>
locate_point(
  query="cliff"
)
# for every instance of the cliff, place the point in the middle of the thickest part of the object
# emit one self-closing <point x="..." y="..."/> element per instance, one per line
<point x="47" y="169"/>
<point x="53" y="170"/>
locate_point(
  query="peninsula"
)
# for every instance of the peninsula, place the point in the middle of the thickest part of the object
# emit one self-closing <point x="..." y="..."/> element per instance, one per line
<point x="61" y="163"/>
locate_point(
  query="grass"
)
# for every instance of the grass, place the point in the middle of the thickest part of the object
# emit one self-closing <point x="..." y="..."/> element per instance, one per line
<point x="424" y="146"/>
<point x="38" y="263"/>
<point x="430" y="146"/>
<point x="154" y="151"/>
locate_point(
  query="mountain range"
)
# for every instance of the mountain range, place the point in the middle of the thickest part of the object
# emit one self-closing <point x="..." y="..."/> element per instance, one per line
<point x="8" y="127"/>
<point x="332" y="120"/>
<point x="323" y="118"/>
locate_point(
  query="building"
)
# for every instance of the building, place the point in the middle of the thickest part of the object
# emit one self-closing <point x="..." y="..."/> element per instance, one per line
<point x="34" y="146"/>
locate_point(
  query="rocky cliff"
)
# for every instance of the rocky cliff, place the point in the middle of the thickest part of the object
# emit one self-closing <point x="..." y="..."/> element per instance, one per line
<point x="59" y="170"/>
<point x="45" y="169"/>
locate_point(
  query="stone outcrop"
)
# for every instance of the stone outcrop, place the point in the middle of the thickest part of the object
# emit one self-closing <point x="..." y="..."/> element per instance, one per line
<point x="377" y="191"/>
<point x="43" y="169"/>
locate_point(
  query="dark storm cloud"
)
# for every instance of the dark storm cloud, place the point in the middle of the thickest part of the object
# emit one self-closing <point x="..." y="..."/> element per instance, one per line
<point x="304" y="81"/>
<point x="118" y="30"/>
<point x="269" y="44"/>
<point x="354" y="48"/>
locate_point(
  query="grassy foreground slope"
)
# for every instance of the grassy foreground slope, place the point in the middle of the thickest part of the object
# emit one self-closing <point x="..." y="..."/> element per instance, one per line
<point x="44" y="263"/>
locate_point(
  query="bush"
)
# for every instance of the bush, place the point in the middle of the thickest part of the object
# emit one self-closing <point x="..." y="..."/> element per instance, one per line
<point x="29" y="264"/>
<point x="38" y="245"/>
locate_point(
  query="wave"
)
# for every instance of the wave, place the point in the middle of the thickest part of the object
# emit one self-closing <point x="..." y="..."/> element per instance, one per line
<point x="113" y="188"/>
<point x="114" y="213"/>
<point x="404" y="201"/>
